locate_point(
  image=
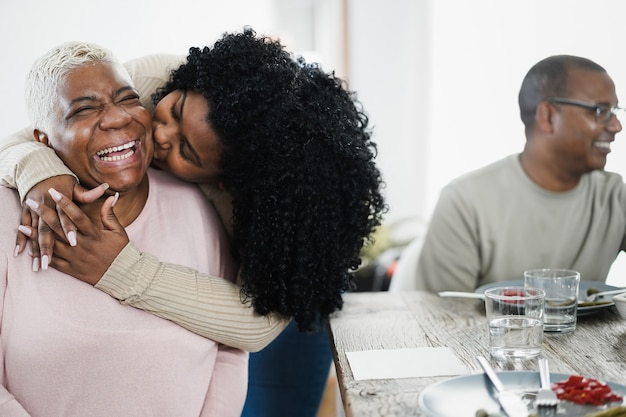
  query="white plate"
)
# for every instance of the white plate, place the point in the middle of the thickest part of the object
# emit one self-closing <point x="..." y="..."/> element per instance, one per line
<point x="582" y="292"/>
<point x="464" y="395"/>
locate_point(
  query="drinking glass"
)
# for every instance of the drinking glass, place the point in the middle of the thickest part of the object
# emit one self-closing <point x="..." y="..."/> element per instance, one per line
<point x="515" y="317"/>
<point x="561" y="288"/>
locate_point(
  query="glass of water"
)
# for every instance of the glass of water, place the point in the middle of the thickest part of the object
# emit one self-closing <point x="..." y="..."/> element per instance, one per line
<point x="561" y="288"/>
<point x="515" y="317"/>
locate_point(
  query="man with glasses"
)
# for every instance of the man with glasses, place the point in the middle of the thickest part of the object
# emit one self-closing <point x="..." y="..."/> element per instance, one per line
<point x="552" y="205"/>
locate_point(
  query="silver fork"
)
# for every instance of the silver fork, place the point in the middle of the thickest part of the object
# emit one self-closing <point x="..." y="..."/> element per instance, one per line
<point x="546" y="399"/>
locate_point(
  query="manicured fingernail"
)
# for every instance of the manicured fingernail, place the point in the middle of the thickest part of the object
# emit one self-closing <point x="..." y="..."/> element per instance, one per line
<point x="104" y="186"/>
<point x="44" y="262"/>
<point x="117" y="195"/>
<point x="32" y="204"/>
<point x="71" y="236"/>
<point x="16" y="251"/>
<point x="25" y="230"/>
<point x="35" y="264"/>
<point x="56" y="196"/>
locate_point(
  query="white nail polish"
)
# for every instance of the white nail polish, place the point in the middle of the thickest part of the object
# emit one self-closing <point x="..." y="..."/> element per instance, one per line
<point x="44" y="262"/>
<point x="71" y="237"/>
<point x="32" y="204"/>
<point x="117" y="195"/>
<point x="24" y="230"/>
<point x="16" y="251"/>
<point x="56" y="196"/>
<point x="35" y="264"/>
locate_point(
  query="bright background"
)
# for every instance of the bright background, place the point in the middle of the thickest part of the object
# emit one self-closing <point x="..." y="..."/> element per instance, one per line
<point x="439" y="78"/>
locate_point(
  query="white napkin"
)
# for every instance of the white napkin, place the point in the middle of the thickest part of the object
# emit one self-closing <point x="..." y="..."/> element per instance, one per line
<point x="405" y="363"/>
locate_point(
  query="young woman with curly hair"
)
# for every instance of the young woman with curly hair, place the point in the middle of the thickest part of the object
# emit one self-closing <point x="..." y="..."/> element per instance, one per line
<point x="286" y="144"/>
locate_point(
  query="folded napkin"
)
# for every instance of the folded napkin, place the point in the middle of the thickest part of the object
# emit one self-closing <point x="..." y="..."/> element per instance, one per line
<point x="405" y="363"/>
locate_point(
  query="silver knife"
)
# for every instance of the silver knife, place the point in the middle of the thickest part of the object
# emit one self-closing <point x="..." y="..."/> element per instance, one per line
<point x="461" y="294"/>
<point x="511" y="403"/>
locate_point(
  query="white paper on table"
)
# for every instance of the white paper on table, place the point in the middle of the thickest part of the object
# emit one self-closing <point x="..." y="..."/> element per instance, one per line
<point x="405" y="363"/>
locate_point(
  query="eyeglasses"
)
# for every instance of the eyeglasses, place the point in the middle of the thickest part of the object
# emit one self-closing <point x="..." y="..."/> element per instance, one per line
<point x="603" y="112"/>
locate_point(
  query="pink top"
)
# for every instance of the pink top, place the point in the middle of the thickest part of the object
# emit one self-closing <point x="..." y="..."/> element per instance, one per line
<point x="69" y="349"/>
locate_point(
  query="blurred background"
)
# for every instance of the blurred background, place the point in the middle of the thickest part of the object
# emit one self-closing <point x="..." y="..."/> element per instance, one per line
<point x="438" y="78"/>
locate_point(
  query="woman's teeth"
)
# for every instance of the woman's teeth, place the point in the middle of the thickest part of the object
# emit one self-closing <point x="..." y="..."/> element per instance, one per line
<point x="104" y="154"/>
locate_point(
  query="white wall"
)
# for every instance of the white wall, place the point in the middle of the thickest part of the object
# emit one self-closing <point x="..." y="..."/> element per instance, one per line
<point x="130" y="28"/>
<point x="389" y="43"/>
<point x="482" y="49"/>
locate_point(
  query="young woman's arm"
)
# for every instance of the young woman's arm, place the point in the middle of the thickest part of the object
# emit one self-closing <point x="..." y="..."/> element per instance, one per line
<point x="25" y="162"/>
<point x="210" y="307"/>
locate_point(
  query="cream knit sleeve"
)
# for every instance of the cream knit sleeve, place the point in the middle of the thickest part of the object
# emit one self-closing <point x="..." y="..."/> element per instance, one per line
<point x="151" y="72"/>
<point x="208" y="306"/>
<point x="25" y="162"/>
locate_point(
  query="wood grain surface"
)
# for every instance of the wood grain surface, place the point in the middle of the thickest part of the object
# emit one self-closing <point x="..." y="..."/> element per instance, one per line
<point x="395" y="320"/>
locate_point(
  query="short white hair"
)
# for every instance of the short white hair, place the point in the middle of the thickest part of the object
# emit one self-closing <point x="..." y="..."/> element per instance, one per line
<point x="50" y="71"/>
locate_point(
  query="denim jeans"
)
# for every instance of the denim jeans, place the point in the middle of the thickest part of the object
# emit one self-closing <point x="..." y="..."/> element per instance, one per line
<point x="288" y="377"/>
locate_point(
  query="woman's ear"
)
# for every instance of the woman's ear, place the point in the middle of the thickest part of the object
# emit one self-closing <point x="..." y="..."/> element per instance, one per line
<point x="40" y="137"/>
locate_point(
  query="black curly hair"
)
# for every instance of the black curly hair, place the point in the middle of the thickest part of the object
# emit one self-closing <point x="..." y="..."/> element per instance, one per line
<point x="298" y="161"/>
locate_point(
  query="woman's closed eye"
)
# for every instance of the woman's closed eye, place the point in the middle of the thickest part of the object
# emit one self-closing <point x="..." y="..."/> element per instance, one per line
<point x="82" y="111"/>
<point x="174" y="113"/>
<point x="181" y="150"/>
<point x="130" y="99"/>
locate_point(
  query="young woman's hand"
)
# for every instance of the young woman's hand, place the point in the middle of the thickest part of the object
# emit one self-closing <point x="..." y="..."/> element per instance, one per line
<point x="42" y="245"/>
<point x="95" y="247"/>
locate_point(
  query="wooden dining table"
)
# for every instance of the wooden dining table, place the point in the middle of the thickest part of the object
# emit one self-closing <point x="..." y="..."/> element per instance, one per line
<point x="399" y="320"/>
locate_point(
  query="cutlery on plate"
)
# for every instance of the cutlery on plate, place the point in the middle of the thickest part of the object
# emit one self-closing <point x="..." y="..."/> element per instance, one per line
<point x="546" y="399"/>
<point x="510" y="402"/>
<point x="595" y="295"/>
<point x="462" y="294"/>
